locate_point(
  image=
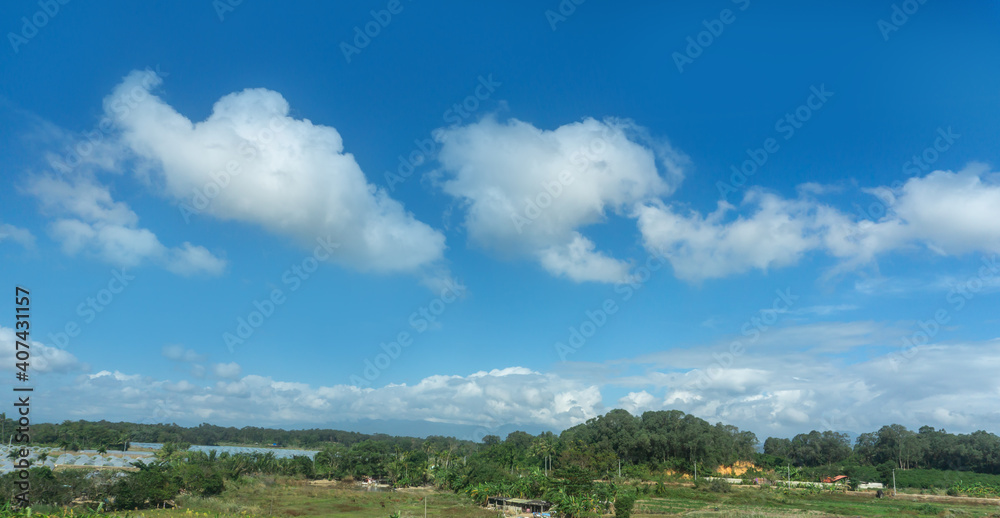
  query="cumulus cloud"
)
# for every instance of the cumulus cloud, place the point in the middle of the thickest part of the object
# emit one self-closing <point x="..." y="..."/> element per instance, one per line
<point x="90" y="221"/>
<point x="22" y="236"/>
<point x="43" y="358"/>
<point x="486" y="399"/>
<point x="180" y="353"/>
<point x="777" y="387"/>
<point x="249" y="161"/>
<point x="776" y="234"/>
<point x="950" y="213"/>
<point x="528" y="192"/>
<point x="774" y="387"/>
<point x="230" y="370"/>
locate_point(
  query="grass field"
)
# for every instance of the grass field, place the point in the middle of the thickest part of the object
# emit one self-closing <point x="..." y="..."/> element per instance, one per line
<point x="282" y="497"/>
<point x="754" y="502"/>
<point x="269" y="496"/>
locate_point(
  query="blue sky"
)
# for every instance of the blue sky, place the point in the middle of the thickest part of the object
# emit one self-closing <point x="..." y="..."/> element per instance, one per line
<point x="802" y="296"/>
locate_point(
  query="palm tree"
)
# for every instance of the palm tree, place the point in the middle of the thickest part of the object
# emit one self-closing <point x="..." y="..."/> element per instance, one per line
<point x="543" y="449"/>
<point x="428" y="448"/>
<point x="124" y="438"/>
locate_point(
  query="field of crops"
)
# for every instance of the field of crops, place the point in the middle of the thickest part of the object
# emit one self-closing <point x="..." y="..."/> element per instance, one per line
<point x="291" y="498"/>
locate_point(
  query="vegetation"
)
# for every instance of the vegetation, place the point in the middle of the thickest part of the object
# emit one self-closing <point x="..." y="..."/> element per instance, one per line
<point x="616" y="463"/>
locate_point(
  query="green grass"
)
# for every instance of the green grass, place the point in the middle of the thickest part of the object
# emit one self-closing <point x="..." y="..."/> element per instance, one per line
<point x="268" y="496"/>
<point x="255" y="497"/>
<point x="752" y="501"/>
<point x="284" y="497"/>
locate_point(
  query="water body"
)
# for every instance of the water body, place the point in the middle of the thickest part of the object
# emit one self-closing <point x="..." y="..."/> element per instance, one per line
<point x="279" y="453"/>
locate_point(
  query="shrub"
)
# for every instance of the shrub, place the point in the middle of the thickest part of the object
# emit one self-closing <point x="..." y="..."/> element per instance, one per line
<point x="148" y="487"/>
<point x="202" y="479"/>
<point x="715" y="485"/>
<point x="624" y="504"/>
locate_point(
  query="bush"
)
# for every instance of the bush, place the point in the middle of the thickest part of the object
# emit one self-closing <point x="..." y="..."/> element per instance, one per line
<point x="624" y="504"/>
<point x="45" y="487"/>
<point x="202" y="479"/>
<point x="149" y="487"/>
<point x="715" y="485"/>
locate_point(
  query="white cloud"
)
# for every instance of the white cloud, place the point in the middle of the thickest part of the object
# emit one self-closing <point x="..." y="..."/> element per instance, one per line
<point x="96" y="224"/>
<point x="116" y="375"/>
<point x="230" y="370"/>
<point x="512" y="395"/>
<point x="796" y="379"/>
<point x="528" y="192"/>
<point x="180" y="353"/>
<point x="777" y="234"/>
<point x="774" y="388"/>
<point x="43" y="358"/>
<point x="289" y="176"/>
<point x="580" y="262"/>
<point x="951" y="213"/>
<point x="946" y="212"/>
<point x="22" y="236"/>
<point x="823" y="309"/>
<point x="636" y="402"/>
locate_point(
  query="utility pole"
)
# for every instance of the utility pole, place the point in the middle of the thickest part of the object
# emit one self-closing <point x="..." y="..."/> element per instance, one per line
<point x="695" y="471"/>
<point x="789" y="476"/>
<point x="893" y="481"/>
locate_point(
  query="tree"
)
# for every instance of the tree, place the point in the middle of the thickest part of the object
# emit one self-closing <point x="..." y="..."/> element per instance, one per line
<point x="624" y="504"/>
<point x="150" y="486"/>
